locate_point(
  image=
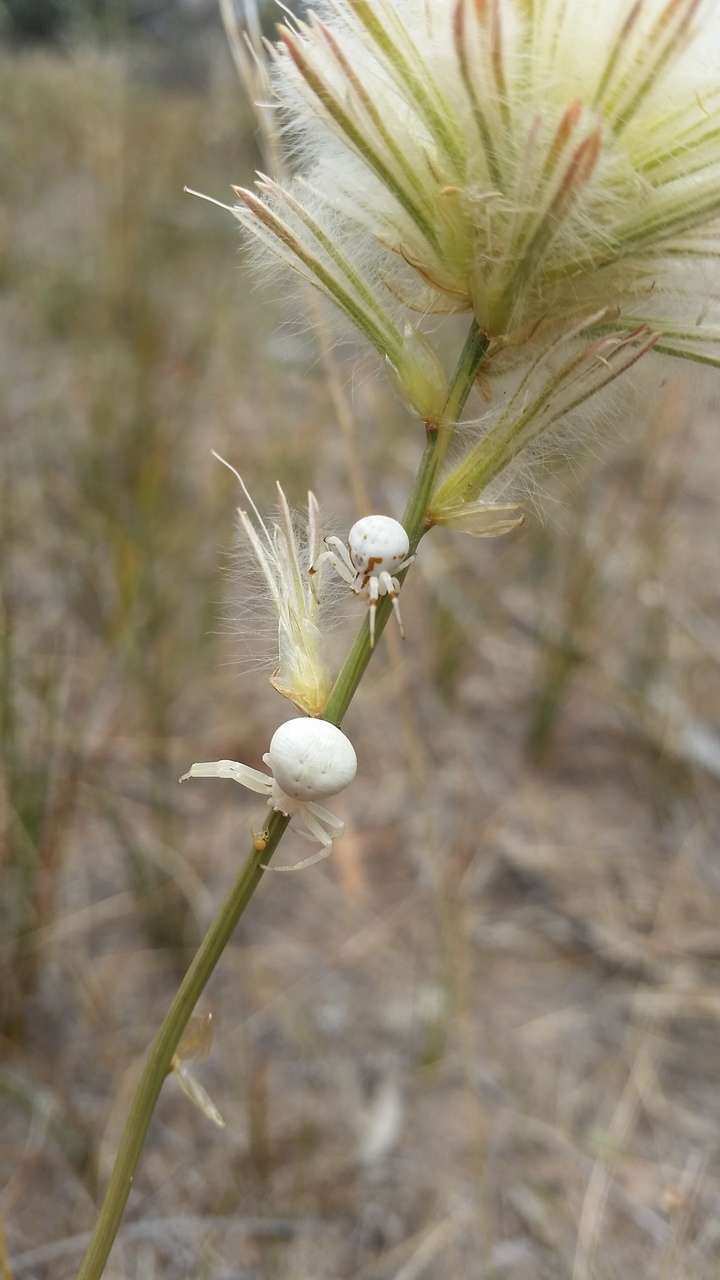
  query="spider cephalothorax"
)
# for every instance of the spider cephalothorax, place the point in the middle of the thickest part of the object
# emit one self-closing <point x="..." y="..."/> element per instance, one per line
<point x="377" y="548"/>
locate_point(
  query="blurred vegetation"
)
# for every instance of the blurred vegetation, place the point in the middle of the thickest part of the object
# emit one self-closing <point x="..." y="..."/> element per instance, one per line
<point x="103" y="569"/>
<point x="426" y="1040"/>
<point x="51" y="20"/>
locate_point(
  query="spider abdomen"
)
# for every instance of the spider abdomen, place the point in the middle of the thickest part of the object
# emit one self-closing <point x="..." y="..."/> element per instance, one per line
<point x="311" y="759"/>
<point x="378" y="544"/>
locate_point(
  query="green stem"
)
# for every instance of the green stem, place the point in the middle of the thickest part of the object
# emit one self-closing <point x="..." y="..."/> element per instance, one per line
<point x="159" y="1059"/>
<point x="160" y="1054"/>
<point x="414" y="519"/>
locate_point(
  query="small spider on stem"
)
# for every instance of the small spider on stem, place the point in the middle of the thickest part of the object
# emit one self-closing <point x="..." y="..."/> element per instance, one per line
<point x="377" y="548"/>
<point x="308" y="760"/>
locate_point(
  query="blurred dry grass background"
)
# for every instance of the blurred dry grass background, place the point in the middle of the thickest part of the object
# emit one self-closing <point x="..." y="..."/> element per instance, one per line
<point x="482" y="1041"/>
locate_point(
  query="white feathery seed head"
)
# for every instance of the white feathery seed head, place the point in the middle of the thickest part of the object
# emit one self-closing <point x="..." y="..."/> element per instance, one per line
<point x="533" y="163"/>
<point x="543" y="413"/>
<point x="283" y="550"/>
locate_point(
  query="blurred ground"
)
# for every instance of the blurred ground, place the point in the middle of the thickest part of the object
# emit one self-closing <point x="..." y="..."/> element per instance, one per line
<point x="483" y="1040"/>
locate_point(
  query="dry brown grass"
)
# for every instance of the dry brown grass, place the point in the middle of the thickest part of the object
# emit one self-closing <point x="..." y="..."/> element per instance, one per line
<point x="483" y="1040"/>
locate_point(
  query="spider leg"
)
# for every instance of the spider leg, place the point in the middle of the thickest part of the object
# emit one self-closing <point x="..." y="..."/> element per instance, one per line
<point x="311" y="829"/>
<point x="326" y="817"/>
<point x="406" y="564"/>
<point x="390" y="586"/>
<point x="253" y="779"/>
<point x="339" y="547"/>
<point x="373" y="589"/>
<point x="299" y="866"/>
<point x="338" y="565"/>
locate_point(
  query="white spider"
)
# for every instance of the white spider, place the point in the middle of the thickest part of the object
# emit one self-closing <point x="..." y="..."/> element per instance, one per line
<point x="377" y="549"/>
<point x="308" y="759"/>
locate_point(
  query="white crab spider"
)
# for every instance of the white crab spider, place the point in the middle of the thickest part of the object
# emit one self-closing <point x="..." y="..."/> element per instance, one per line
<point x="377" y="548"/>
<point x="309" y="760"/>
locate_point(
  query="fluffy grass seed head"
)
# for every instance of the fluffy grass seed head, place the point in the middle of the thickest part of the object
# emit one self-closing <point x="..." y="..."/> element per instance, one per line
<point x="527" y="161"/>
<point x="542" y="413"/>
<point x="284" y="553"/>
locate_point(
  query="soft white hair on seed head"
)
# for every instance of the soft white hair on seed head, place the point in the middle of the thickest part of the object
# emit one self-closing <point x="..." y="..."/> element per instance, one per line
<point x="276" y="556"/>
<point x="530" y="163"/>
<point x="506" y="157"/>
